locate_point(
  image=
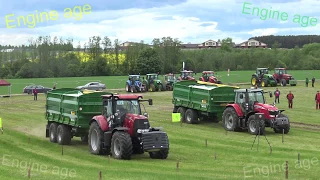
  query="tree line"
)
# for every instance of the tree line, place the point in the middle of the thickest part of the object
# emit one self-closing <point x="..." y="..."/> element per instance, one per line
<point x="55" y="57"/>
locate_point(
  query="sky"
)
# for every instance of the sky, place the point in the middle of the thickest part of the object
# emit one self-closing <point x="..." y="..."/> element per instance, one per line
<point x="191" y="21"/>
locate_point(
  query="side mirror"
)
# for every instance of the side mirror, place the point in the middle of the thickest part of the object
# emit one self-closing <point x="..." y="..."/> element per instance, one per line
<point x="241" y="96"/>
<point x="150" y="102"/>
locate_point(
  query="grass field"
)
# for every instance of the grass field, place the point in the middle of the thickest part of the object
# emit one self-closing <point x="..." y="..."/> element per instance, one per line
<point x="24" y="143"/>
<point x="116" y="82"/>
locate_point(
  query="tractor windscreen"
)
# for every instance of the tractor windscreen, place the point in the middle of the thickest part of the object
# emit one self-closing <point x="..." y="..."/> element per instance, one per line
<point x="256" y="96"/>
<point x="282" y="71"/>
<point x="128" y="106"/>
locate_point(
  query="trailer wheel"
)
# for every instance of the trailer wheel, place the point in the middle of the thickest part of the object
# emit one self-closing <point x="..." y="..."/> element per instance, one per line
<point x="95" y="139"/>
<point x="286" y="128"/>
<point x="162" y="154"/>
<point x="253" y="127"/>
<point x="121" y="145"/>
<point x="53" y="132"/>
<point x="191" y="116"/>
<point x="230" y="119"/>
<point x="182" y="112"/>
<point x="63" y="134"/>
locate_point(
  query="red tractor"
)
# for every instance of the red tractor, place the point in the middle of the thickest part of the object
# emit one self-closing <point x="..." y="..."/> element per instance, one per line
<point x="282" y="77"/>
<point x="123" y="129"/>
<point x="208" y="76"/>
<point x="250" y="111"/>
<point x="186" y="75"/>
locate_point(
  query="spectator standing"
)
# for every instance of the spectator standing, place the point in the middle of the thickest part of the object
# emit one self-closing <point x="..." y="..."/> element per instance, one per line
<point x="35" y="94"/>
<point x="276" y="96"/>
<point x="312" y="81"/>
<point x="54" y="86"/>
<point x="307" y="82"/>
<point x="290" y="98"/>
<point x="317" y="99"/>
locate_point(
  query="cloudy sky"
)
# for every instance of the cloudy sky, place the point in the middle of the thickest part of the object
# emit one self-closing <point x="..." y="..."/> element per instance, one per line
<point x="193" y="21"/>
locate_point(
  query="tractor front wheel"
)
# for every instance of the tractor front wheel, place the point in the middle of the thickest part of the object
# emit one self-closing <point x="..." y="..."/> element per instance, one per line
<point x="162" y="154"/>
<point x="230" y="119"/>
<point x="283" y="82"/>
<point x="253" y="126"/>
<point x="121" y="145"/>
<point x="152" y="88"/>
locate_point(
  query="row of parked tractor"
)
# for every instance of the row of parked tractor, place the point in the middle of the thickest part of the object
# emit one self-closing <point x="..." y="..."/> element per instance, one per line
<point x="152" y="82"/>
<point x="262" y="78"/>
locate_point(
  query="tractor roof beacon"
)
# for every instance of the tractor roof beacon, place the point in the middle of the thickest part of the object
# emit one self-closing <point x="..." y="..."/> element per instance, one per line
<point x="121" y="129"/>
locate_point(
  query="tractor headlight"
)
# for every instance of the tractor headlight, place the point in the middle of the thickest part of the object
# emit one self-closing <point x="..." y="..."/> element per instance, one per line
<point x="116" y="114"/>
<point x="146" y="114"/>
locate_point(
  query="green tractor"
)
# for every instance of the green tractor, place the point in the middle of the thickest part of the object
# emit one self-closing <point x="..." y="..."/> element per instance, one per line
<point x="262" y="78"/>
<point x="152" y="83"/>
<point x="169" y="80"/>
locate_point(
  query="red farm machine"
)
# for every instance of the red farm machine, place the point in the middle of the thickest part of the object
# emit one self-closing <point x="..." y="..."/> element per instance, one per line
<point x="208" y="76"/>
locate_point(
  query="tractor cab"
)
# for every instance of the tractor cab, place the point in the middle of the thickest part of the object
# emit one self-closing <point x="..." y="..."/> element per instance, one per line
<point x="247" y="98"/>
<point x="261" y="71"/>
<point x="134" y="77"/>
<point x="280" y="71"/>
<point x="170" y="78"/>
<point x="152" y="77"/>
<point x="186" y="75"/>
<point x="118" y="108"/>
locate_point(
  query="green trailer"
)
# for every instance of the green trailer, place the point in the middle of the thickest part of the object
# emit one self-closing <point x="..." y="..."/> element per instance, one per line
<point x="196" y="100"/>
<point x="71" y="108"/>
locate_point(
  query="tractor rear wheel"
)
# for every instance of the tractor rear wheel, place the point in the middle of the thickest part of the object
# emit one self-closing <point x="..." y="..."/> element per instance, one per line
<point x="283" y="82"/>
<point x="285" y="129"/>
<point x="95" y="139"/>
<point x="253" y="127"/>
<point x="253" y="81"/>
<point x="191" y="116"/>
<point x="53" y="132"/>
<point x="162" y="154"/>
<point x="63" y="134"/>
<point x="121" y="145"/>
<point x="127" y="87"/>
<point x="230" y="119"/>
<point x="182" y="112"/>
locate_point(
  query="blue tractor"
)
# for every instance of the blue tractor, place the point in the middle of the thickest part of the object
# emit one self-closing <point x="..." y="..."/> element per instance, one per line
<point x="134" y="84"/>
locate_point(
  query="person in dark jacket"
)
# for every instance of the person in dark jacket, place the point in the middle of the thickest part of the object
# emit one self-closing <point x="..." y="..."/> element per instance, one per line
<point x="312" y="81"/>
<point x="54" y="86"/>
<point x="35" y="94"/>
<point x="276" y="96"/>
<point x="317" y="99"/>
<point x="290" y="98"/>
<point x="307" y="82"/>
